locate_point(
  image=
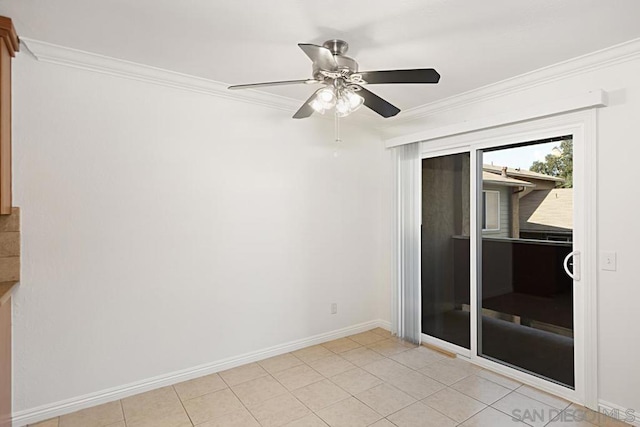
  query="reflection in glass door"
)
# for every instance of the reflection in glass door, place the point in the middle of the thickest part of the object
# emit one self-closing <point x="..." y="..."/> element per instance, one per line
<point x="525" y="223"/>
<point x="445" y="248"/>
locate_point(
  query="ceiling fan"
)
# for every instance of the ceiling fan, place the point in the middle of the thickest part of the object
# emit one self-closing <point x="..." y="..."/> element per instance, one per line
<point x="343" y="83"/>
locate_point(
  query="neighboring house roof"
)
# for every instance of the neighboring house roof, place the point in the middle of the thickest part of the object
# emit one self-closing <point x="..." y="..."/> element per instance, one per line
<point x="492" y="178"/>
<point x="547" y="210"/>
<point x="519" y="173"/>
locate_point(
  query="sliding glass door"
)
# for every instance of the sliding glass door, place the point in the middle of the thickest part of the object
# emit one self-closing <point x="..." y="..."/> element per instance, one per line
<point x="526" y="297"/>
<point x="497" y="255"/>
<point x="445" y="248"/>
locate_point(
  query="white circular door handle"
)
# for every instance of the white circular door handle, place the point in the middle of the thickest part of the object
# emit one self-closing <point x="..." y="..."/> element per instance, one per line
<point x="576" y="265"/>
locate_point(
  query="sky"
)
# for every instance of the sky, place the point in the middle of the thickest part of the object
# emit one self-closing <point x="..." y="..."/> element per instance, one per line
<point x="520" y="157"/>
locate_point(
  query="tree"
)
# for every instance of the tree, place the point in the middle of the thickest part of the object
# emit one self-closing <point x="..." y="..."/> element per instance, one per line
<point x="558" y="164"/>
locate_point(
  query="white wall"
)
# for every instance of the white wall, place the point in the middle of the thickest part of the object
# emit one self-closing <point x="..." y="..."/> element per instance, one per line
<point x="164" y="229"/>
<point x="618" y="204"/>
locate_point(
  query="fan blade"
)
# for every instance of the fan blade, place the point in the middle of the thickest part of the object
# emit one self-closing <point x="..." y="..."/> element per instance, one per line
<point x="321" y="56"/>
<point x="282" y="83"/>
<point x="306" y="110"/>
<point x="377" y="104"/>
<point x="422" y="75"/>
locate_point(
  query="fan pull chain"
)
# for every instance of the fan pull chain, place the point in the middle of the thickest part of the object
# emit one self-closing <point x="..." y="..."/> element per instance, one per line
<point x="338" y="141"/>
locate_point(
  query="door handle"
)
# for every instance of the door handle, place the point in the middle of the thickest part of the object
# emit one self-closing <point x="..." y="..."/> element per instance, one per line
<point x="576" y="265"/>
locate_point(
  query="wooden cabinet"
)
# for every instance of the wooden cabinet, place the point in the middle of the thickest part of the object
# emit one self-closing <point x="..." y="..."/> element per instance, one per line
<point x="8" y="48"/>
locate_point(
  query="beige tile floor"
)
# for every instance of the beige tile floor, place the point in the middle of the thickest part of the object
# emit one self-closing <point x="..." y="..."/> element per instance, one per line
<point x="368" y="379"/>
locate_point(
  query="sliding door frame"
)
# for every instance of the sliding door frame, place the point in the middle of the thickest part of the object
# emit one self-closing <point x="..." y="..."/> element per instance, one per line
<point x="582" y="125"/>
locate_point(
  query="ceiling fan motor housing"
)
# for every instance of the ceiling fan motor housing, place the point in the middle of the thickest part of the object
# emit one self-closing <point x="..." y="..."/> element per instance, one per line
<point x="336" y="46"/>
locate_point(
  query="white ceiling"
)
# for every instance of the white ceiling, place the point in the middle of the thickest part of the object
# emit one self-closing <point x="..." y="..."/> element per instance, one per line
<point x="471" y="43"/>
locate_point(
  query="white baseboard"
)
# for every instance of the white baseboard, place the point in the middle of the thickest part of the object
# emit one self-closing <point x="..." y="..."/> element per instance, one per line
<point x="384" y="324"/>
<point x="629" y="416"/>
<point x="67" y="406"/>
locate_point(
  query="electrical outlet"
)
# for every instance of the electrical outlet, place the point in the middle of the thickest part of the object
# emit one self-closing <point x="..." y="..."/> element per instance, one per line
<point x="334" y="308"/>
<point x="608" y="261"/>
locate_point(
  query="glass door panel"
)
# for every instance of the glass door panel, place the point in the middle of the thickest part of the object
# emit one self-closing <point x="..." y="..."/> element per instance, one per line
<point x="445" y="248"/>
<point x="526" y="218"/>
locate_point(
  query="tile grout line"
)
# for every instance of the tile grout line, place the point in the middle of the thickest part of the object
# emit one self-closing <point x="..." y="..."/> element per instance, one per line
<point x="384" y="382"/>
<point x="182" y="404"/>
<point x="124" y="418"/>
<point x="310" y="367"/>
<point x="509" y="415"/>
<point x="291" y="391"/>
<point x="238" y="397"/>
<point x="487" y="379"/>
<point x="351" y="395"/>
<point x="538" y="400"/>
<point x="447" y="416"/>
<point x="390" y="385"/>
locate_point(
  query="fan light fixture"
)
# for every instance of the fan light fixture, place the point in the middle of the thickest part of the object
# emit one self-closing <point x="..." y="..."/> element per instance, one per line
<point x="343" y="83"/>
<point x="344" y="99"/>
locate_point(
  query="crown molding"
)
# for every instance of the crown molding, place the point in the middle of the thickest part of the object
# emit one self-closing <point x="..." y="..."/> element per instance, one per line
<point x="55" y="54"/>
<point x="599" y="59"/>
<point x="47" y="52"/>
